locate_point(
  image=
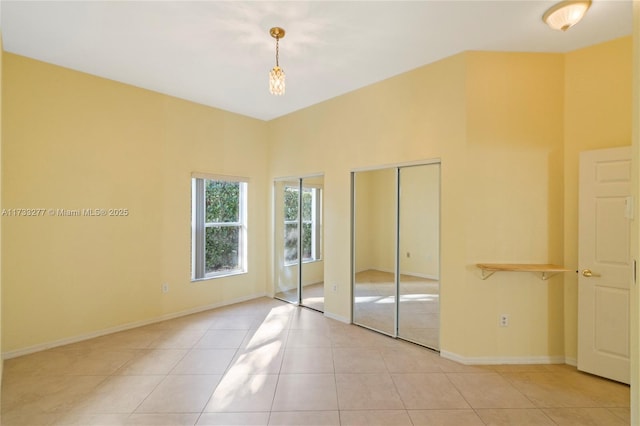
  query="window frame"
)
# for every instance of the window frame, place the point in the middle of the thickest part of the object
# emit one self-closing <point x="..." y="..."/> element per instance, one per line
<point x="199" y="226"/>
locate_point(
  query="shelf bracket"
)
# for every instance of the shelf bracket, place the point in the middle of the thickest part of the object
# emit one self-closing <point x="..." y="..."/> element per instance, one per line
<point x="547" y="275"/>
<point x="544" y="275"/>
<point x="486" y="274"/>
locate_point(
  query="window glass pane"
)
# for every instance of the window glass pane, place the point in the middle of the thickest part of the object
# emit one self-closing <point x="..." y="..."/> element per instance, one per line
<point x="291" y="242"/>
<point x="307" y="203"/>
<point x="290" y="203"/>
<point x="306" y="241"/>
<point x="222" y="201"/>
<point x="221" y="248"/>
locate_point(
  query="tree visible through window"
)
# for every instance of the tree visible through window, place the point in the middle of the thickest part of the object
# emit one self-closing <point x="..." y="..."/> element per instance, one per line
<point x="310" y="223"/>
<point x="219" y="227"/>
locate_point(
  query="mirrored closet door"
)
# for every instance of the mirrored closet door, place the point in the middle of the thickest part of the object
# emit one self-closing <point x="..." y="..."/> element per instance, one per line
<point x="396" y="246"/>
<point x="286" y="241"/>
<point x="374" y="289"/>
<point x="298" y="241"/>
<point x="419" y="249"/>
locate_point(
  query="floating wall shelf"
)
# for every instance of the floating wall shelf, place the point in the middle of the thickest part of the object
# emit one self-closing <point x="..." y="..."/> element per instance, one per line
<point x="546" y="270"/>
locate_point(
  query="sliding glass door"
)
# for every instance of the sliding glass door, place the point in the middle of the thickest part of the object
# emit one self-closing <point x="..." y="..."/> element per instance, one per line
<point x="298" y="241"/>
<point x="396" y="246"/>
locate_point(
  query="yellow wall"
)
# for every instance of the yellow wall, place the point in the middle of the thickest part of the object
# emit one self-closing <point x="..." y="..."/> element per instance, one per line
<point x="499" y="122"/>
<point x="513" y="204"/>
<point x="506" y="126"/>
<point x="495" y="122"/>
<point x="597" y="114"/>
<point x="74" y="141"/>
<point x="419" y="115"/>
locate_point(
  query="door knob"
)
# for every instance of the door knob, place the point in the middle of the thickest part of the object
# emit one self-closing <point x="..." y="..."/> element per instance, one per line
<point x="587" y="273"/>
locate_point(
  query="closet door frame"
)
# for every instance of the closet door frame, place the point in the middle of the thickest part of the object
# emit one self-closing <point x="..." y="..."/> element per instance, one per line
<point x="397" y="167"/>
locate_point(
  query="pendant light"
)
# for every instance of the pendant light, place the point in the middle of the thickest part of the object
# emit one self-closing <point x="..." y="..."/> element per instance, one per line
<point x="276" y="75"/>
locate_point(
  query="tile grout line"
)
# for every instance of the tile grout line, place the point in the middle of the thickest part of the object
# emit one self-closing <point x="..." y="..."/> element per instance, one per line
<point x="224" y="373"/>
<point x="152" y="349"/>
<point x="275" y="390"/>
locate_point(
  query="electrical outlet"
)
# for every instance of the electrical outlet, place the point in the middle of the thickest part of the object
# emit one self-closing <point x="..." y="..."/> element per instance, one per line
<point x="165" y="288"/>
<point x="408" y="255"/>
<point x="504" y="320"/>
<point x="335" y="288"/>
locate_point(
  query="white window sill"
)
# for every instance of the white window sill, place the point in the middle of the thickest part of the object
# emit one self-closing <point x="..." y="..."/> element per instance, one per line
<point x="219" y="275"/>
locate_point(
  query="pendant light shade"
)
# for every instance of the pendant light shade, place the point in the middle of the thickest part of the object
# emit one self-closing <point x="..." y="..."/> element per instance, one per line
<point x="276" y="81"/>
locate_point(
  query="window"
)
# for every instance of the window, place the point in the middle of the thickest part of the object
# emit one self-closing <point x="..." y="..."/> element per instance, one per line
<point x="311" y="223"/>
<point x="219" y="226"/>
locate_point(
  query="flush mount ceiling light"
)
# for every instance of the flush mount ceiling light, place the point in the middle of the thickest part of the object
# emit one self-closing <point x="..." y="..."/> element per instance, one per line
<point x="566" y="14"/>
<point x="276" y="75"/>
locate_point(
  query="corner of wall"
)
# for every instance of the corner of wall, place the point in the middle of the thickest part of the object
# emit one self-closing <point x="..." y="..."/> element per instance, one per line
<point x="635" y="246"/>
<point x="1" y="359"/>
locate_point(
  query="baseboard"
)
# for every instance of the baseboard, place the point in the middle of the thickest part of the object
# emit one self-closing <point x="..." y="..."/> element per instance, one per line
<point x="411" y="274"/>
<point x="419" y="275"/>
<point x="337" y="317"/>
<point x="368" y="268"/>
<point x="503" y="360"/>
<point x="571" y="361"/>
<point x="124" y="327"/>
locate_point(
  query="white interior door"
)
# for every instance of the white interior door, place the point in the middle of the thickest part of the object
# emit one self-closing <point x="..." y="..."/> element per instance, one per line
<point x="605" y="266"/>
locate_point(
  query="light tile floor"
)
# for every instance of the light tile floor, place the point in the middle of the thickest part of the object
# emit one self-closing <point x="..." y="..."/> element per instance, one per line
<point x="265" y="362"/>
<point x="375" y="305"/>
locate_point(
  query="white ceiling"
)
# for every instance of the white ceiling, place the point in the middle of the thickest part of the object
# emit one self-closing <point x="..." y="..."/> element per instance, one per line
<point x="219" y="53"/>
